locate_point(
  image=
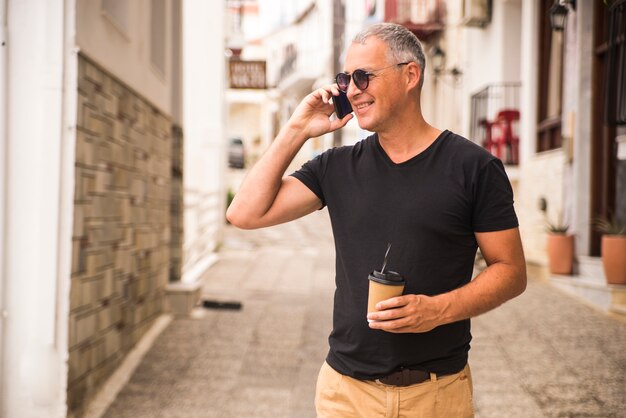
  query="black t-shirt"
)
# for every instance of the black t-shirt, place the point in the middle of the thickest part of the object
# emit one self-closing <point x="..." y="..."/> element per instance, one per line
<point x="429" y="208"/>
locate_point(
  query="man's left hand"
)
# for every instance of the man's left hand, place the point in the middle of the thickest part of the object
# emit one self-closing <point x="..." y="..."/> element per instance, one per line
<point x="408" y="313"/>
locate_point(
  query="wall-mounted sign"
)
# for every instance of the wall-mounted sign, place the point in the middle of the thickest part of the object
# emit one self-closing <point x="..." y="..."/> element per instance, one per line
<point x="247" y="74"/>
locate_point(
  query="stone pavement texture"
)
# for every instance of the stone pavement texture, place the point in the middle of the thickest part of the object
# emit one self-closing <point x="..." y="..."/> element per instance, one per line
<point x="543" y="354"/>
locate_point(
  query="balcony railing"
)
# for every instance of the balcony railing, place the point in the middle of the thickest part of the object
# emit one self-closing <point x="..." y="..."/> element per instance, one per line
<point x="494" y="120"/>
<point x="424" y="18"/>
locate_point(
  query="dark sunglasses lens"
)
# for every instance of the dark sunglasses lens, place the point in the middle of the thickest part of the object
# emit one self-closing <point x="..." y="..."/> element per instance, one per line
<point x="343" y="80"/>
<point x="361" y="79"/>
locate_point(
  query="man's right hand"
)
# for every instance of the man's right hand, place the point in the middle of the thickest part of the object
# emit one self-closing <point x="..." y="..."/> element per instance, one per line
<point x="312" y="116"/>
<point x="265" y="197"/>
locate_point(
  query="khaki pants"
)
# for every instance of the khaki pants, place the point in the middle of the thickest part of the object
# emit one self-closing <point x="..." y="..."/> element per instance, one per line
<point x="339" y="396"/>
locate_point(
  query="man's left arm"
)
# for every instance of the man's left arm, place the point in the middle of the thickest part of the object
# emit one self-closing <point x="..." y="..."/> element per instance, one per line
<point x="503" y="279"/>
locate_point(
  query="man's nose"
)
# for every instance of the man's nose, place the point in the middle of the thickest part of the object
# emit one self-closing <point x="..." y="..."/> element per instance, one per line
<point x="353" y="90"/>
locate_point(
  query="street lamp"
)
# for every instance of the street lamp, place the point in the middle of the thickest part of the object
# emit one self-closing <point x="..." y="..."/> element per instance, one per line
<point x="558" y="13"/>
<point x="438" y="59"/>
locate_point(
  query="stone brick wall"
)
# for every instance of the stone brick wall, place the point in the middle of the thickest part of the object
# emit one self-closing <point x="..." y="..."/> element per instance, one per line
<point x="121" y="238"/>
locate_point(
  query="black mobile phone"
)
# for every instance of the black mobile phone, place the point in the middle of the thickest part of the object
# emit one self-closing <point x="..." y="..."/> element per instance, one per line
<point x="342" y="105"/>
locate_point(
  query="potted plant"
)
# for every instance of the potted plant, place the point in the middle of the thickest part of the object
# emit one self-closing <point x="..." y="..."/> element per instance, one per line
<point x="230" y="195"/>
<point x="613" y="248"/>
<point x="560" y="247"/>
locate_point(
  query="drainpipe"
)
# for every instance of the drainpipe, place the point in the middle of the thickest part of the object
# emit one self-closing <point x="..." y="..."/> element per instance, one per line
<point x="3" y="170"/>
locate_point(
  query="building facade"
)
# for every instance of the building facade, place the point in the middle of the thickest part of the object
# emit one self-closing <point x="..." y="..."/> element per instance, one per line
<point x="548" y="102"/>
<point x="110" y="166"/>
<point x="281" y="51"/>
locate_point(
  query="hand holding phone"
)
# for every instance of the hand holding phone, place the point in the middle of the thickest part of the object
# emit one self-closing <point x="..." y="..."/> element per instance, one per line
<point x="342" y="105"/>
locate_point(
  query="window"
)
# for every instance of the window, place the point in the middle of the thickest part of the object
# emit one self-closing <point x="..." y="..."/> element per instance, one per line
<point x="550" y="75"/>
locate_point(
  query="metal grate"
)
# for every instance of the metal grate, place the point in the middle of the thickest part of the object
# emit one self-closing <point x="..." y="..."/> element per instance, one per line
<point x="495" y="114"/>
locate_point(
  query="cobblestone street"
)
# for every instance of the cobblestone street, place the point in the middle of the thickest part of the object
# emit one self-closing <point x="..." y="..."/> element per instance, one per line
<point x="543" y="354"/>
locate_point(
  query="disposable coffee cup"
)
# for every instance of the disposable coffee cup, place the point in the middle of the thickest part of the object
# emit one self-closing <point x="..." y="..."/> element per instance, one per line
<point x="383" y="286"/>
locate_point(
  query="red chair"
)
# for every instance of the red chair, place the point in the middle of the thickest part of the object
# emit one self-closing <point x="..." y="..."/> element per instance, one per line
<point x="507" y="137"/>
<point x="489" y="144"/>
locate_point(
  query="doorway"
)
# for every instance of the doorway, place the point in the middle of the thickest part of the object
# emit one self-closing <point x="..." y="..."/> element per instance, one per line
<point x="608" y="42"/>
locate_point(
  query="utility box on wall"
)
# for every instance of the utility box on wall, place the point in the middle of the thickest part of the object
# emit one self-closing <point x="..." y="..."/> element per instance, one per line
<point x="477" y="13"/>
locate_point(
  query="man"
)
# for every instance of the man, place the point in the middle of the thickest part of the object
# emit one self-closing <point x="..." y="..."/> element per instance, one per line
<point x="434" y="195"/>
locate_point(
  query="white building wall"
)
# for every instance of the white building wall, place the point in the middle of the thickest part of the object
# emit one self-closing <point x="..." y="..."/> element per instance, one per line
<point x="124" y="49"/>
<point x="41" y="98"/>
<point x="485" y="50"/>
<point x="504" y="51"/>
<point x="3" y="170"/>
<point x="541" y="176"/>
<point x="204" y="133"/>
<point x="37" y="163"/>
<point x="528" y="77"/>
<point x="485" y="56"/>
<point x="311" y="37"/>
<point x="285" y="25"/>
<point x="443" y="99"/>
<point x="581" y="133"/>
<point x="491" y="54"/>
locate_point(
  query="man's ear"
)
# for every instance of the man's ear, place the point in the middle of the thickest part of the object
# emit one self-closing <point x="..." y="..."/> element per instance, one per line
<point x="414" y="75"/>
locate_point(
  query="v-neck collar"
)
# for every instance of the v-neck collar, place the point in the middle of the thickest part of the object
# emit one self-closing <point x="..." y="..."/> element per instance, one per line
<point x="416" y="157"/>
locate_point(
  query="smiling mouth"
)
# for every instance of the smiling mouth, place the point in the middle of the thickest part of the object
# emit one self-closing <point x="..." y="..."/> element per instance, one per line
<point x="363" y="105"/>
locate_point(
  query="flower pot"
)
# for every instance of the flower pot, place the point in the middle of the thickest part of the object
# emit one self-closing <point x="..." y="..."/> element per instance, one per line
<point x="560" y="253"/>
<point x="614" y="258"/>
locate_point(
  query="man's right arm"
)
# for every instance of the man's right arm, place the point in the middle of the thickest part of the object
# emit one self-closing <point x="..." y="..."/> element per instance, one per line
<point x="265" y="197"/>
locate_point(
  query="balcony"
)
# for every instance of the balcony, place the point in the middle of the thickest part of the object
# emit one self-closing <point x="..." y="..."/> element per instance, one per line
<point x="494" y="120"/>
<point x="424" y="18"/>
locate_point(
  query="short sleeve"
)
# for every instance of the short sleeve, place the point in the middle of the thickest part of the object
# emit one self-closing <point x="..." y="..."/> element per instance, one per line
<point x="493" y="200"/>
<point x="312" y="173"/>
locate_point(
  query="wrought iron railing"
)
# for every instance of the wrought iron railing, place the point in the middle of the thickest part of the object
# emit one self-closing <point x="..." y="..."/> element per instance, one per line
<point x="494" y="120"/>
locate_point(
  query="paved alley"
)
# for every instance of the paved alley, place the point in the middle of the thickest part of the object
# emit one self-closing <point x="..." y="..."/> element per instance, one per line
<point x="543" y="354"/>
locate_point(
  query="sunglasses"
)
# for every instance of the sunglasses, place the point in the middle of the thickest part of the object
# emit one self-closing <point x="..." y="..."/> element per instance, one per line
<point x="361" y="77"/>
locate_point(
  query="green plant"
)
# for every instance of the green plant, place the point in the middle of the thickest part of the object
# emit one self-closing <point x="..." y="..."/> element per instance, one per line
<point x="558" y="227"/>
<point x="230" y="195"/>
<point x="610" y="225"/>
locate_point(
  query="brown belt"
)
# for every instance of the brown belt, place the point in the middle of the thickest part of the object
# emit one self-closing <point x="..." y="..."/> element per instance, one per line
<point x="405" y="377"/>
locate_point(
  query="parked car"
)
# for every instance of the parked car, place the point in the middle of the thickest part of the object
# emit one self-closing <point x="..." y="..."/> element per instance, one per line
<point x="236" y="153"/>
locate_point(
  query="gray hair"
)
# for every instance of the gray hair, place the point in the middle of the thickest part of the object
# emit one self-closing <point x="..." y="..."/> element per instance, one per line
<point x="403" y="44"/>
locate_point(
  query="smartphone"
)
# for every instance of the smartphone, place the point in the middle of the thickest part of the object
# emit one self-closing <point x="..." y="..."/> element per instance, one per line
<point x="342" y="105"/>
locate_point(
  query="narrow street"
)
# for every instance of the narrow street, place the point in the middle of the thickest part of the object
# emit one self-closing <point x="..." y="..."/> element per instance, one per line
<point x="543" y="354"/>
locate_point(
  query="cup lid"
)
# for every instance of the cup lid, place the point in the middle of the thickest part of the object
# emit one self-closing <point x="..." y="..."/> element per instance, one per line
<point x="389" y="278"/>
